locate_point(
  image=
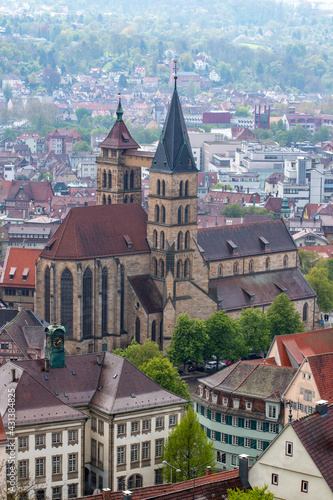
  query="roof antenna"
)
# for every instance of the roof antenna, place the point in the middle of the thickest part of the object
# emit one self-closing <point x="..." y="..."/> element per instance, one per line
<point x="119" y="109"/>
<point x="175" y="72"/>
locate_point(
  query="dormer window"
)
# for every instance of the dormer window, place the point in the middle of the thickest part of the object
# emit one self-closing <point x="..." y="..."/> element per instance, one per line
<point x="12" y="273"/>
<point x="25" y="273"/>
<point x="201" y="391"/>
<point x="232" y="246"/>
<point x="128" y="241"/>
<point x="207" y="394"/>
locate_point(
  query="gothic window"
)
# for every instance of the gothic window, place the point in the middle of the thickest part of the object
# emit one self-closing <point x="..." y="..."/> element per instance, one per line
<point x="155" y="238"/>
<point x="180" y="241"/>
<point x="162" y="240"/>
<point x="186" y="188"/>
<point x="187" y="239"/>
<point x="251" y="266"/>
<point x="137" y="330"/>
<point x="104" y="199"/>
<point x="163" y="188"/>
<point x="47" y="288"/>
<point x="180" y="215"/>
<point x="126" y="180"/>
<point x="187" y="270"/>
<point x="158" y="186"/>
<point x="179" y="269"/>
<point x="161" y="266"/>
<point x="104" y="179"/>
<point x="125" y="199"/>
<point x="131" y="179"/>
<point x="219" y="270"/>
<point x="305" y="312"/>
<point x="235" y="268"/>
<point x="109" y="180"/>
<point x="104" y="301"/>
<point x="267" y="263"/>
<point x="87" y="303"/>
<point x="186" y="213"/>
<point x="285" y="261"/>
<point x="161" y="335"/>
<point x="155" y="266"/>
<point x="131" y="199"/>
<point x="153" y="331"/>
<point x="66" y="286"/>
<point x="181" y="188"/>
<point x="157" y="213"/>
<point x="163" y="213"/>
<point x="109" y="200"/>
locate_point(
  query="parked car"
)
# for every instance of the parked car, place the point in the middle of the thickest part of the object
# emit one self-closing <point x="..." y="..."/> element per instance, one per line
<point x="196" y="368"/>
<point x="210" y="366"/>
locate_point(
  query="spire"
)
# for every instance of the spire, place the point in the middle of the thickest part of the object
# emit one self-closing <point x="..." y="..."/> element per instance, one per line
<point x="119" y="110"/>
<point x="175" y="73"/>
<point x="174" y="153"/>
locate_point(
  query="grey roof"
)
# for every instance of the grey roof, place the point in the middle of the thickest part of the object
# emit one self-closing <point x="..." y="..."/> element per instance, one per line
<point x="174" y="153"/>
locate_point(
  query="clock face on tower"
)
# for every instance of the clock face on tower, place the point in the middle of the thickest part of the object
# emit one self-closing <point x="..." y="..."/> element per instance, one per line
<point x="58" y="342"/>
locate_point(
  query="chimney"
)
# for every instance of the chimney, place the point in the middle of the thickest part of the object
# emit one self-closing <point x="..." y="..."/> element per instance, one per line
<point x="13" y="375"/>
<point x="127" y="495"/>
<point x="208" y="470"/>
<point x="47" y="364"/>
<point x="99" y="359"/>
<point x="321" y="407"/>
<point x="244" y="471"/>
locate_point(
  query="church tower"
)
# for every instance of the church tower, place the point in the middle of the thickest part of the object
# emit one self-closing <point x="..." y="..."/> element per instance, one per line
<point x="118" y="176"/>
<point x="172" y="202"/>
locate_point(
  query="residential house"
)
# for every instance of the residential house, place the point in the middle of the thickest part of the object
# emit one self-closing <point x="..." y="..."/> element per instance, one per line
<point x="23" y="196"/>
<point x="271" y="183"/>
<point x="309" y="238"/>
<point x="241" y="408"/>
<point x="62" y="141"/>
<point x="298" y="463"/>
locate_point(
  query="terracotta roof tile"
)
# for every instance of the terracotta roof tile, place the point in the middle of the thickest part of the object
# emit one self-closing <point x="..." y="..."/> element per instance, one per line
<point x="322" y="370"/>
<point x="119" y="138"/>
<point x="23" y="260"/>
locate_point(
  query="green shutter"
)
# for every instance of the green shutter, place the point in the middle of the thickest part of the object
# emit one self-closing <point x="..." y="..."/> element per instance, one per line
<point x="253" y="425"/>
<point x="217" y="436"/>
<point x="241" y="422"/>
<point x="228" y="439"/>
<point x="240" y="441"/>
<point x="203" y="410"/>
<point x="208" y="433"/>
<point x="197" y="407"/>
<point x="218" y="417"/>
<point x="254" y="444"/>
<point x="209" y="414"/>
<point x="265" y="444"/>
<point x="228" y="419"/>
<point x="265" y="427"/>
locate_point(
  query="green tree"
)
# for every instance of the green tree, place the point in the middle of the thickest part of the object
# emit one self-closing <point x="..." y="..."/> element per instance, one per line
<point x="253" y="325"/>
<point x="166" y="375"/>
<point x="188" y="449"/>
<point x="80" y="113"/>
<point x="224" y="339"/>
<point x="82" y="146"/>
<point x="254" y="494"/>
<point x="308" y="260"/>
<point x="138" y="354"/>
<point x="318" y="279"/>
<point x="188" y="341"/>
<point x="232" y="210"/>
<point x="242" y="111"/>
<point x="283" y="318"/>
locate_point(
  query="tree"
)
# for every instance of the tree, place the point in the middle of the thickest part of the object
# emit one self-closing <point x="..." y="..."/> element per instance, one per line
<point x="242" y="111"/>
<point x="188" y="341"/>
<point x="188" y="449"/>
<point x="318" y="279"/>
<point x="122" y="81"/>
<point x="255" y="494"/>
<point x="283" y="318"/>
<point x="80" y="113"/>
<point x="308" y="260"/>
<point x="224" y="339"/>
<point x="82" y="146"/>
<point x="253" y="325"/>
<point x="166" y="375"/>
<point x="232" y="210"/>
<point x="138" y="354"/>
<point x="51" y="78"/>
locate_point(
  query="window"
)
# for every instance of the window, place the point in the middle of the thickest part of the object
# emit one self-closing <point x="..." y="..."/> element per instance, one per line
<point x="289" y="449"/>
<point x="23" y="469"/>
<point x="235" y="403"/>
<point x="145" y="451"/>
<point x="305" y="486"/>
<point x="235" y="421"/>
<point x="181" y="188"/>
<point x="87" y="303"/>
<point x="272" y="411"/>
<point x="72" y="491"/>
<point x="235" y="440"/>
<point x="223" y="419"/>
<point x="162" y="240"/>
<point x="267" y="263"/>
<point x="56" y="493"/>
<point x="305" y="312"/>
<point x="158" y="476"/>
<point x="213" y="416"/>
<point x="214" y="398"/>
<point x="180" y="215"/>
<point x="40" y="462"/>
<point x="101" y="427"/>
<point x="104" y="301"/>
<point x="158" y="448"/>
<point x="234" y="460"/>
<point x="23" y="442"/>
<point x="93" y="451"/>
<point x="72" y="462"/>
<point x="121" y="455"/>
<point x="56" y="438"/>
<point x="172" y="420"/>
<point x="40" y="495"/>
<point x="159" y="423"/>
<point x="225" y="401"/>
<point x="72" y="436"/>
<point x="146" y="425"/>
<point x="247" y="423"/>
<point x="247" y="443"/>
<point x="259" y="444"/>
<point x="121" y="429"/>
<point x="260" y="426"/>
<point x="66" y="285"/>
<point x="221" y="457"/>
<point x="121" y="483"/>
<point x="134" y="452"/>
<point x="251" y="266"/>
<point x="135" y="481"/>
<point x="56" y="465"/>
<point x="135" y="427"/>
<point x="163" y="213"/>
<point x="235" y="268"/>
<point x="285" y="261"/>
<point x="212" y="434"/>
<point x="219" y="270"/>
<point x="93" y="424"/>
<point x="272" y="428"/>
<point x="248" y="406"/>
<point x="158" y="188"/>
<point x="275" y="479"/>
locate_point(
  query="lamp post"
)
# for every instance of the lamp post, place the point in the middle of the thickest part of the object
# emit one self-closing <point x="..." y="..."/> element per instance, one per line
<point x="164" y="462"/>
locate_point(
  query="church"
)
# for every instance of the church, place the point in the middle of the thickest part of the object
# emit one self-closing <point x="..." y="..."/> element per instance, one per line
<point x="112" y="272"/>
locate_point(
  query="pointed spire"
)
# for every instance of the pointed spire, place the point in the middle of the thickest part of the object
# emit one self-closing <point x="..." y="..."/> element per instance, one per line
<point x="120" y="111"/>
<point x="175" y="72"/>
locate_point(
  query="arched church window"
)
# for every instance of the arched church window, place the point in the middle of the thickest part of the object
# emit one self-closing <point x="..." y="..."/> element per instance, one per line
<point x="104" y="199"/>
<point x="163" y="188"/>
<point x="161" y="266"/>
<point x="104" y="301"/>
<point x="125" y="199"/>
<point x="219" y="270"/>
<point x="47" y="294"/>
<point x="187" y="240"/>
<point x="179" y="269"/>
<point x="162" y="240"/>
<point x="180" y="241"/>
<point x="235" y="268"/>
<point x="180" y="215"/>
<point x="285" y="261"/>
<point x="181" y="188"/>
<point x="267" y="263"/>
<point x="131" y="179"/>
<point x="110" y="180"/>
<point x="109" y="200"/>
<point x="104" y="179"/>
<point x="251" y="266"/>
<point x="137" y="330"/>
<point x="157" y="213"/>
<point x="186" y="213"/>
<point x="87" y="303"/>
<point x="187" y="271"/>
<point x="155" y="238"/>
<point x="186" y="188"/>
<point x="153" y="331"/>
<point x="66" y="287"/>
<point x="131" y="199"/>
<point x="158" y="187"/>
<point x="155" y="266"/>
<point x="125" y="180"/>
<point x="163" y="213"/>
<point x="305" y="312"/>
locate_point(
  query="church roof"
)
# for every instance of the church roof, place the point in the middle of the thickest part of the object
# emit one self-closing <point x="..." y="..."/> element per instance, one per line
<point x="99" y="231"/>
<point x="174" y="154"/>
<point x="119" y="136"/>
<point x="148" y="293"/>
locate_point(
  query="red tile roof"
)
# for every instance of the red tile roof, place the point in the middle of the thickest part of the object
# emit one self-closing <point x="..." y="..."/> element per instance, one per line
<point x="22" y="263"/>
<point x="35" y="190"/>
<point x="316" y="434"/>
<point x="322" y="371"/>
<point x="119" y="138"/>
<point x="324" y="251"/>
<point x="98" y="231"/>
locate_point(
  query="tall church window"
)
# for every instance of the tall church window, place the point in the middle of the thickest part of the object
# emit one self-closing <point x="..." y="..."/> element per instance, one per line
<point x="125" y="180"/>
<point x="163" y="188"/>
<point x="66" y="287"/>
<point x="186" y="213"/>
<point x="251" y="266"/>
<point x="181" y="188"/>
<point x="104" y="179"/>
<point x="162" y="240"/>
<point x="267" y="263"/>
<point x="158" y="186"/>
<point x="137" y="330"/>
<point x="131" y="199"/>
<point x="125" y="199"/>
<point x="47" y="291"/>
<point x="153" y="331"/>
<point x="180" y="215"/>
<point x="161" y="335"/>
<point x="157" y="213"/>
<point x="179" y="269"/>
<point x="163" y="213"/>
<point x="161" y="266"/>
<point x="235" y="267"/>
<point x="187" y="271"/>
<point x="104" y="199"/>
<point x="180" y="241"/>
<point x="285" y="261"/>
<point x="155" y="266"/>
<point x="186" y="188"/>
<point x="87" y="303"/>
<point x="109" y="200"/>
<point x="305" y="312"/>
<point x="187" y="240"/>
<point x="155" y="238"/>
<point x="219" y="270"/>
<point x="104" y="301"/>
<point x="109" y="180"/>
<point x="131" y="179"/>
